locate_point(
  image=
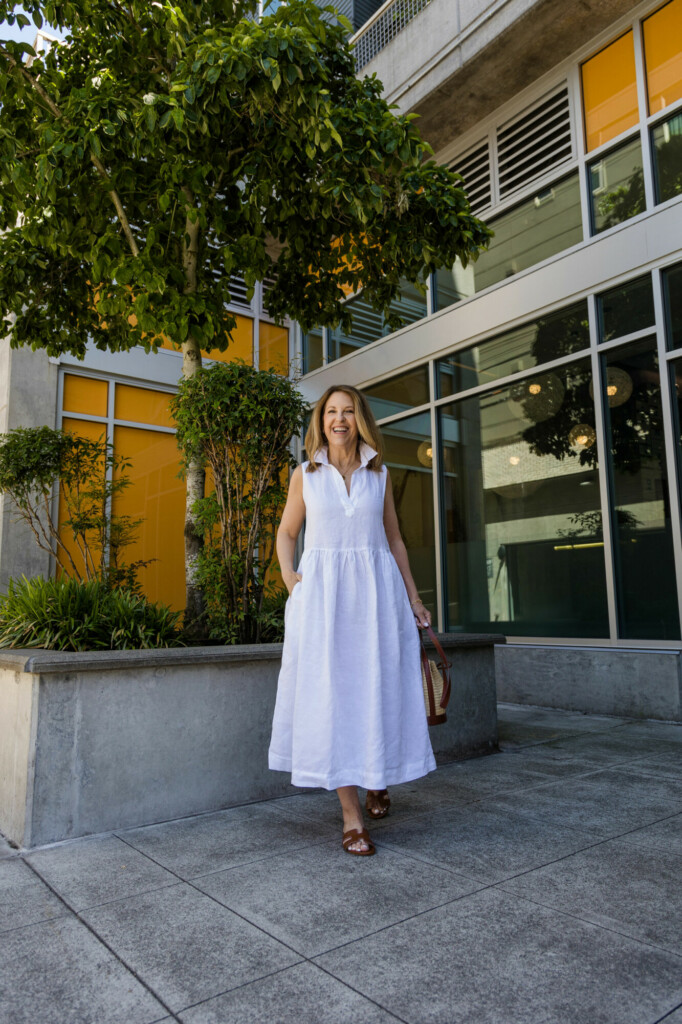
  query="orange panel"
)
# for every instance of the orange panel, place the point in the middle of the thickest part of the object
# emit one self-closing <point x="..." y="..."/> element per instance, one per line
<point x="610" y="92"/>
<point x="241" y="346"/>
<point x="157" y="495"/>
<point x="663" y="55"/>
<point x="273" y="347"/>
<point x="85" y="394"/>
<point x="142" y="405"/>
<point x="93" y="431"/>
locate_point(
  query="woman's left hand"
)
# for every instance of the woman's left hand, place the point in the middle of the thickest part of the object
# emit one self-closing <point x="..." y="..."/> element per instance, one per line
<point x="421" y="614"/>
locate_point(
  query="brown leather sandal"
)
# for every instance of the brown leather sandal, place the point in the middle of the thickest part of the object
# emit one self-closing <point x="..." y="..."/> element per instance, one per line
<point x="355" y="835"/>
<point x="377" y="803"/>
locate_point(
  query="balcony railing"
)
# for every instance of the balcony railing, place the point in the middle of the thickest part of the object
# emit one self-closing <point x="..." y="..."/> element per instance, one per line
<point x="382" y="27"/>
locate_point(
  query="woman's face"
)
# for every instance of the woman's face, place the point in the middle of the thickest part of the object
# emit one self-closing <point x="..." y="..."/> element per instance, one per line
<point x="338" y="421"/>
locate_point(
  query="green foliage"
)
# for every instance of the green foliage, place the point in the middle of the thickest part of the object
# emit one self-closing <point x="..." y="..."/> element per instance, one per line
<point x="67" y="615"/>
<point x="239" y="421"/>
<point x="33" y="462"/>
<point x="166" y="146"/>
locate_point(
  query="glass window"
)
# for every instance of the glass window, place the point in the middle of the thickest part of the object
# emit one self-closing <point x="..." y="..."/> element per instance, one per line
<point x="549" y="337"/>
<point x="640" y="507"/>
<point x="672" y="289"/>
<point x="369" y="323"/>
<point x="273" y="347"/>
<point x="667" y="149"/>
<point x="523" y="531"/>
<point x="408" y="455"/>
<point x="312" y="350"/>
<point x="617" y="186"/>
<point x="85" y="394"/>
<point x="398" y="393"/>
<point x="610" y="92"/>
<point x="157" y="496"/>
<point x="452" y="284"/>
<point x="626" y="309"/>
<point x="663" y="55"/>
<point x="141" y="405"/>
<point x="536" y="229"/>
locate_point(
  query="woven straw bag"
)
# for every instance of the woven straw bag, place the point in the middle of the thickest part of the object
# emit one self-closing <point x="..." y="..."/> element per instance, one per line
<point x="435" y="680"/>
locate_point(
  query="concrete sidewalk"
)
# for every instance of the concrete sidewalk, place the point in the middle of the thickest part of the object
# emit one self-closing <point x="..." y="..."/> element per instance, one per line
<point x="540" y="885"/>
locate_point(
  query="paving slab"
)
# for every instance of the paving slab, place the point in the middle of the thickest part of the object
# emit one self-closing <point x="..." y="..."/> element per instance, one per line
<point x="619" y="745"/>
<point x="607" y="802"/>
<point x="92" y="871"/>
<point x="520" y="726"/>
<point x="672" y="1018"/>
<point x="485" y="843"/>
<point x="663" y="835"/>
<point x="211" y="842"/>
<point x="590" y="885"/>
<point x="24" y="899"/>
<point x="185" y="946"/>
<point x="493" y="958"/>
<point x="669" y="765"/>
<point x="318" y="898"/>
<point x="304" y="994"/>
<point x="57" y="971"/>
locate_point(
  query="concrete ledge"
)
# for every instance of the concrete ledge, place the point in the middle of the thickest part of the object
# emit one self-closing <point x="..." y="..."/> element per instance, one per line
<point x="103" y="740"/>
<point x="595" y="680"/>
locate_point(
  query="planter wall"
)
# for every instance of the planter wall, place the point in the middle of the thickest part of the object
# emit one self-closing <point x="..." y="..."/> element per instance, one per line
<point x="100" y="741"/>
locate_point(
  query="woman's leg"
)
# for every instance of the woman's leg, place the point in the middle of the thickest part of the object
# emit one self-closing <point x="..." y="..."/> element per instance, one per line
<point x="352" y="814"/>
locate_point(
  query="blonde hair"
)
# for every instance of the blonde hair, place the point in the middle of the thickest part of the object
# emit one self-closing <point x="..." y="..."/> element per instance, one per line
<point x="368" y="430"/>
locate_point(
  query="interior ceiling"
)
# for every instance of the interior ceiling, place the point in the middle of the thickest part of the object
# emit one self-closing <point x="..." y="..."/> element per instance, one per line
<point x="528" y="49"/>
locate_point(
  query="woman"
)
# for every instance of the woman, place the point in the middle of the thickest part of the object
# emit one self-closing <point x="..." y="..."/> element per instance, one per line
<point x="350" y="710"/>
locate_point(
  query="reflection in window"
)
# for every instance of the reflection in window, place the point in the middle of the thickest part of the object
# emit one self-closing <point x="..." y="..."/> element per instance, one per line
<point x="536" y="229"/>
<point x="626" y="309"/>
<point x="667" y="149"/>
<point x="312" y="351"/>
<point x="617" y="186"/>
<point x="556" y="334"/>
<point x="640" y="507"/>
<point x="369" y="323"/>
<point x="451" y="285"/>
<point x="663" y="54"/>
<point x="408" y="455"/>
<point x="672" y="289"/>
<point x="610" y="92"/>
<point x="523" y="530"/>
<point x="402" y="392"/>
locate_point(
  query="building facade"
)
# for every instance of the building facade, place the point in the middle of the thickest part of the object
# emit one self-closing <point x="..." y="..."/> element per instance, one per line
<point x="530" y="403"/>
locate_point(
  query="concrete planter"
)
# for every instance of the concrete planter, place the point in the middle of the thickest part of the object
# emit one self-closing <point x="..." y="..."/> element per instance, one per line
<point x="99" y="741"/>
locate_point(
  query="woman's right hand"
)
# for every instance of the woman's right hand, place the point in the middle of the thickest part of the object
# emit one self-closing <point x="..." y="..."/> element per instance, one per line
<point x="291" y="579"/>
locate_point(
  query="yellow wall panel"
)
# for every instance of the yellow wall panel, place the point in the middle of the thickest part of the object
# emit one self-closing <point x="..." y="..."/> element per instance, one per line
<point x="663" y="55"/>
<point x="273" y="348"/>
<point x="85" y="394"/>
<point x="158" y="495"/>
<point x="610" y="92"/>
<point x="142" y="405"/>
<point x="93" y="431"/>
<point x="241" y="346"/>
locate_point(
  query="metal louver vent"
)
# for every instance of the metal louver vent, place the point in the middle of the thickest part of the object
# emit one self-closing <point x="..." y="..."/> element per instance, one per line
<point x="267" y="284"/>
<point x="475" y="169"/>
<point x="534" y="142"/>
<point x="238" y="292"/>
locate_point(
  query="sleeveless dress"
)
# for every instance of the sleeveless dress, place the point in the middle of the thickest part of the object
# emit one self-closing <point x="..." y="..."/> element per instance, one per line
<point x="350" y="708"/>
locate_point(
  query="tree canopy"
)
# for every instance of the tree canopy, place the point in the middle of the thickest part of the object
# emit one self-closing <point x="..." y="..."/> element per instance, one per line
<point x="165" y="146"/>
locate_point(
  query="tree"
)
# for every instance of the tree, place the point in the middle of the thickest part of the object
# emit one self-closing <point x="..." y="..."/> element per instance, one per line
<point x="239" y="422"/>
<point x="167" y="145"/>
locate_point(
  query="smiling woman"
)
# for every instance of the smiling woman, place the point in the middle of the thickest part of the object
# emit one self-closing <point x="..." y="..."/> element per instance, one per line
<point x="350" y="710"/>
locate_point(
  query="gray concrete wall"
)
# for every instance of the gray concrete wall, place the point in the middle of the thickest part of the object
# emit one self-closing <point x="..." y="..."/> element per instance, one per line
<point x="594" y="680"/>
<point x="94" y="742"/>
<point x="458" y="60"/>
<point x="28" y="398"/>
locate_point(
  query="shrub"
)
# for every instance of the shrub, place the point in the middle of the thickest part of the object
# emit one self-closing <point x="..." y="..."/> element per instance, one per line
<point x="239" y="422"/>
<point x="68" y="615"/>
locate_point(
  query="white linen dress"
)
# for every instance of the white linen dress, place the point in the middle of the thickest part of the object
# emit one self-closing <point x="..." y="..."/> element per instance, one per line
<point x="350" y="707"/>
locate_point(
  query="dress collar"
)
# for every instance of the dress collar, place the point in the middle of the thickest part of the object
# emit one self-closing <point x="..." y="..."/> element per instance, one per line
<point x="366" y="453"/>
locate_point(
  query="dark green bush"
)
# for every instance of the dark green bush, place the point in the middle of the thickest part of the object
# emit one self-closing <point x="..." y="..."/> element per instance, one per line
<point x="67" y="615"/>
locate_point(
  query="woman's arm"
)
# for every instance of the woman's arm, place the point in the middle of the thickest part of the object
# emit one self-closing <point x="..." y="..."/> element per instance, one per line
<point x="289" y="528"/>
<point x="399" y="552"/>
